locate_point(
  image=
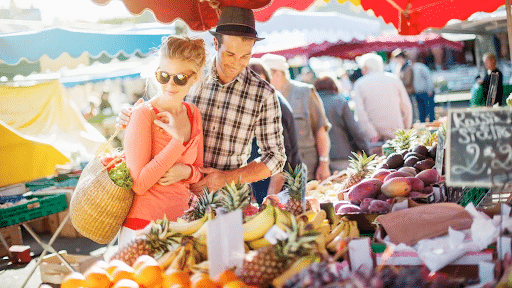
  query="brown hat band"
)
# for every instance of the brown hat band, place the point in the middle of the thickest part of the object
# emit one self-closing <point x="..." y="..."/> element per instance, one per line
<point x="236" y="28"/>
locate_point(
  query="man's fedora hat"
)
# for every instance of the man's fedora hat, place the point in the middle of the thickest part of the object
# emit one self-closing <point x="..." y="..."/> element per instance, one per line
<point x="237" y="21"/>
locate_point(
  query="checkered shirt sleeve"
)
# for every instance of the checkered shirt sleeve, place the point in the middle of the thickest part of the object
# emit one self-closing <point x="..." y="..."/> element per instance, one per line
<point x="233" y="114"/>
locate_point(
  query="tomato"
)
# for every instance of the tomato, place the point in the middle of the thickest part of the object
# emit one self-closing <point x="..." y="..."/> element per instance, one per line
<point x="105" y="160"/>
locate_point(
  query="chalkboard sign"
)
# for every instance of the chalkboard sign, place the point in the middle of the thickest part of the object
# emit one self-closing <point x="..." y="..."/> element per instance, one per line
<point x="478" y="144"/>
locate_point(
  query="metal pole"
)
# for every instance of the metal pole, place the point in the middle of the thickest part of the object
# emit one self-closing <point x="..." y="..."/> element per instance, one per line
<point x="509" y="27"/>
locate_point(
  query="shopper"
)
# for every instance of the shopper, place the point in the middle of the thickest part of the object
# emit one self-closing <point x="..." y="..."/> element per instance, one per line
<point x="310" y="119"/>
<point x="490" y="64"/>
<point x="345" y="134"/>
<point x="382" y="104"/>
<point x="236" y="105"/>
<point x="165" y="133"/>
<point x="274" y="185"/>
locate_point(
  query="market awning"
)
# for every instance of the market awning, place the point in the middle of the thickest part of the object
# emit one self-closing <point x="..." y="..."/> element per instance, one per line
<point x="53" y="42"/>
<point x="296" y="30"/>
<point x="387" y="43"/>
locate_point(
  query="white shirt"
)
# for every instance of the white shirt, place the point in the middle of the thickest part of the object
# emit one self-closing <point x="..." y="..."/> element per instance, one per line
<point x="382" y="105"/>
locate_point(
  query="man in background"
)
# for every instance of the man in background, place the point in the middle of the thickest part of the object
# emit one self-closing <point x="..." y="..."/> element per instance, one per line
<point x="310" y="119"/>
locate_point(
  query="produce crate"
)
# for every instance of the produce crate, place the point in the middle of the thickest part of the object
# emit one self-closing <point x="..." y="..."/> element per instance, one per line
<point x="12" y="235"/>
<point x="36" y="207"/>
<point x="53" y="271"/>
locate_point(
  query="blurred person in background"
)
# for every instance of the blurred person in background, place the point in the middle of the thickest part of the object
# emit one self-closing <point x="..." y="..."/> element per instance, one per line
<point x="424" y="91"/>
<point x="490" y="66"/>
<point x="105" y="106"/>
<point x="345" y="134"/>
<point x="310" y="119"/>
<point x="404" y="70"/>
<point x="382" y="103"/>
<point x="274" y="185"/>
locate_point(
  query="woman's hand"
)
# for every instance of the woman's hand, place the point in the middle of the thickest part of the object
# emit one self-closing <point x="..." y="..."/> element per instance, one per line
<point x="167" y="123"/>
<point x="177" y="173"/>
<point x="124" y="116"/>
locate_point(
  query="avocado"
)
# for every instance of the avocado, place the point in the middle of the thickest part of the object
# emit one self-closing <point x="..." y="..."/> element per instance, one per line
<point x="432" y="151"/>
<point x="395" y="160"/>
<point x="410" y="161"/>
<point x="417" y="155"/>
<point x="420" y="149"/>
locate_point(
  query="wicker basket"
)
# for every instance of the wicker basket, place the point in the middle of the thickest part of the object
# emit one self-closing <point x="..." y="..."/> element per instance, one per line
<point x="98" y="207"/>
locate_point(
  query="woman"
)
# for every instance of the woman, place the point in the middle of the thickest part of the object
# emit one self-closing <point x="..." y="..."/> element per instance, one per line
<point x="345" y="134"/>
<point x="165" y="133"/>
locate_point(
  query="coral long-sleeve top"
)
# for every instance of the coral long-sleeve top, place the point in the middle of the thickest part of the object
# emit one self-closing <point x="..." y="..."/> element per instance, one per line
<point x="149" y="154"/>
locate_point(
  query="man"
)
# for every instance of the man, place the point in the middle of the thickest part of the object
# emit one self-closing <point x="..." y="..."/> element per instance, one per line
<point x="490" y="65"/>
<point x="310" y="119"/>
<point x="424" y="91"/>
<point x="405" y="72"/>
<point x="236" y="105"/>
<point x="382" y="104"/>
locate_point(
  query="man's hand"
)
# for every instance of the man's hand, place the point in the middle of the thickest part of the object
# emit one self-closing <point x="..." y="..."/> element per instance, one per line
<point x="177" y="173"/>
<point x="322" y="171"/>
<point x="124" y="116"/>
<point x="214" y="180"/>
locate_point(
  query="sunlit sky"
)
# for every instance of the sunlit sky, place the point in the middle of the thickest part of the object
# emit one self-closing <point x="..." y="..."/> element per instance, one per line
<point x="72" y="10"/>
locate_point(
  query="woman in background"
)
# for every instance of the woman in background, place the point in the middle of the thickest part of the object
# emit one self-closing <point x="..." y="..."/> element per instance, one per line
<point x="345" y="134"/>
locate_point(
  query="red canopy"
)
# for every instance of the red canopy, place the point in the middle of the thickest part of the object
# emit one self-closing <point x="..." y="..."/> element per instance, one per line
<point x="202" y="15"/>
<point x="356" y="48"/>
<point x="411" y="17"/>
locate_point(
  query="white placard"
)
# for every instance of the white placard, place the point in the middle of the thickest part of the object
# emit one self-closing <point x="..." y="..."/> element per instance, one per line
<point x="225" y="242"/>
<point x="360" y="255"/>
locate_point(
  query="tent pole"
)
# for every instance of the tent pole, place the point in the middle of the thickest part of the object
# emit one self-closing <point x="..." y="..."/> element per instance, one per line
<point x="509" y="27"/>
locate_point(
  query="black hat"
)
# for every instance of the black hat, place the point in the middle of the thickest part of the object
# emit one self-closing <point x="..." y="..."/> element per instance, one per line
<point x="237" y="21"/>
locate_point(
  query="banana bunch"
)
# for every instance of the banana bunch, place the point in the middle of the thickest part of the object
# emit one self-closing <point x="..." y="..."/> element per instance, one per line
<point x="340" y="233"/>
<point x="256" y="228"/>
<point x="297" y="266"/>
<point x="185" y="257"/>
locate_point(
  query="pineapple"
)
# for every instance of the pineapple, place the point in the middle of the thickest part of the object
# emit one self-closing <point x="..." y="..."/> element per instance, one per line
<point x="296" y="184"/>
<point x="428" y="138"/>
<point x="154" y="243"/>
<point x="198" y="208"/>
<point x="404" y="139"/>
<point x="359" y="167"/>
<point x="234" y="196"/>
<point x="260" y="267"/>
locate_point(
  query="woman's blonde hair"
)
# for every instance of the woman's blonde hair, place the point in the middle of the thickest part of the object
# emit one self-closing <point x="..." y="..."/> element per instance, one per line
<point x="191" y="50"/>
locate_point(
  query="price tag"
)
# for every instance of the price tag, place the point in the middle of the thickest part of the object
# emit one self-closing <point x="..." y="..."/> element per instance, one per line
<point x="275" y="233"/>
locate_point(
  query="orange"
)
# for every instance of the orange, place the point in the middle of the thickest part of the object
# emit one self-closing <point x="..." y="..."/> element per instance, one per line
<point x="202" y="280"/>
<point x="172" y="277"/>
<point x="225" y="277"/>
<point x="149" y="274"/>
<point x="143" y="259"/>
<point x="97" y="277"/>
<point x="123" y="272"/>
<point x="101" y="264"/>
<point x="235" y="284"/>
<point x="126" y="283"/>
<point x="112" y="265"/>
<point x="73" y="280"/>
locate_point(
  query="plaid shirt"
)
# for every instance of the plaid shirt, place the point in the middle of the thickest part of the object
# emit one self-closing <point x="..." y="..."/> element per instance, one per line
<point x="233" y="114"/>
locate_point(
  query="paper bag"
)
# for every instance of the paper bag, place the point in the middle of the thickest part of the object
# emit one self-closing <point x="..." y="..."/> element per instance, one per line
<point x="423" y="222"/>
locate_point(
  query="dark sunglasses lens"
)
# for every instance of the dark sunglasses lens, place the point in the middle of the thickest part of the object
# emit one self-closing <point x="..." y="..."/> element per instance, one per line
<point x="180" y="79"/>
<point x="162" y="77"/>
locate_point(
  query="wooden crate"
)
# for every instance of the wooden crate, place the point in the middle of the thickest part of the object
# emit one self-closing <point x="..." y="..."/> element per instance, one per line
<point x="53" y="271"/>
<point x="68" y="230"/>
<point x="12" y="236"/>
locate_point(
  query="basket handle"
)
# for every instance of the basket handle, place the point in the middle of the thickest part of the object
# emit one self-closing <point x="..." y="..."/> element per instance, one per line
<point x="112" y="162"/>
<point x="104" y="146"/>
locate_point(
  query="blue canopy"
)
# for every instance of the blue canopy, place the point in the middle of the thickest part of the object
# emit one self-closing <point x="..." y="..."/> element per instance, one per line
<point x="55" y="41"/>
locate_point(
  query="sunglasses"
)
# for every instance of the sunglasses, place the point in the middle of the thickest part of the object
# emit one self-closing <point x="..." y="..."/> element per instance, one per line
<point x="179" y="79"/>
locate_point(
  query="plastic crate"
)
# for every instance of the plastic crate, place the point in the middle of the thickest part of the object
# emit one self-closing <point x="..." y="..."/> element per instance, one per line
<point x="36" y="207"/>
